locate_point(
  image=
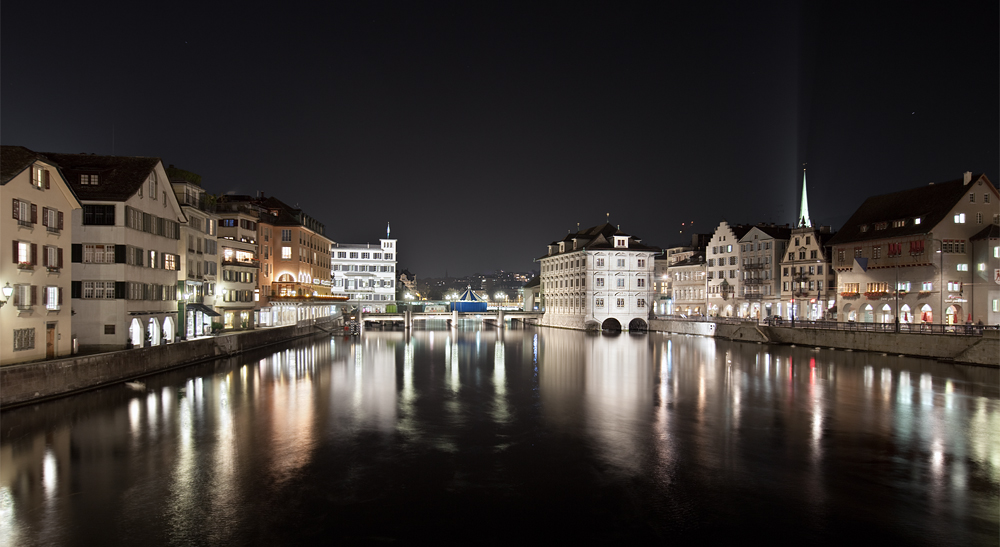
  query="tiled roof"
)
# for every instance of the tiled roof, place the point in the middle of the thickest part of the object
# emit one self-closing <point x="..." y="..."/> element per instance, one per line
<point x="535" y="282"/>
<point x="990" y="232"/>
<point x="697" y="259"/>
<point x="120" y="176"/>
<point x="930" y="203"/>
<point x="14" y="160"/>
<point x="601" y="237"/>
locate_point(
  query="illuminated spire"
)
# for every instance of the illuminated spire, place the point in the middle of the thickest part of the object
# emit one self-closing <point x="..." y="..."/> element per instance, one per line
<point x="804" y="207"/>
<point x="387" y="230"/>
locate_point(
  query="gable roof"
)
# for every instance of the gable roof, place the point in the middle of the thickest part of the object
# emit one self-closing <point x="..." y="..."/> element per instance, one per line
<point x="120" y="176"/>
<point x="930" y="203"/>
<point x="14" y="160"/>
<point x="990" y="232"/>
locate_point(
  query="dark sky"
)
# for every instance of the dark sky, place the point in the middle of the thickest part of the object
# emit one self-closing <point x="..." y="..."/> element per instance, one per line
<point x="482" y="131"/>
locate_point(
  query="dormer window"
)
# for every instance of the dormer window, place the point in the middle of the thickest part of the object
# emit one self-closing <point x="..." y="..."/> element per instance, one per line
<point x="152" y="185"/>
<point x="562" y="246"/>
<point x="621" y="242"/>
<point x="39" y="178"/>
<point x="88" y="180"/>
<point x="916" y="220"/>
<point x="864" y="228"/>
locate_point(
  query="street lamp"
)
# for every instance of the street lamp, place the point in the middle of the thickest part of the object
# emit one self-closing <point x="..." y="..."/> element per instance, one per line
<point x="7" y="292"/>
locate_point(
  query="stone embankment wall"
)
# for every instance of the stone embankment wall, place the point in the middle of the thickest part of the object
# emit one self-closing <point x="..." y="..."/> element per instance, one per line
<point x="978" y="350"/>
<point x="25" y="383"/>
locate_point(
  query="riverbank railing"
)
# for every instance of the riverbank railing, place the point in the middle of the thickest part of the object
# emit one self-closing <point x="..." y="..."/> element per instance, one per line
<point x="904" y="328"/>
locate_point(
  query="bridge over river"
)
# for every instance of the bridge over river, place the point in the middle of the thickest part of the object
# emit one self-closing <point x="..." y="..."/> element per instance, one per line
<point x="407" y="318"/>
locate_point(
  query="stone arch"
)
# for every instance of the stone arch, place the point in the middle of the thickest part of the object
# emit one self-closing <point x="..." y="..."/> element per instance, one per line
<point x="286" y="278"/>
<point x="954" y="314"/>
<point x="153" y="332"/>
<point x="135" y="333"/>
<point x="168" y="330"/>
<point x="611" y="325"/>
<point x="728" y="312"/>
<point x="637" y="325"/>
<point x="905" y="315"/>
<point x="886" y="314"/>
<point x="850" y="314"/>
<point x="590" y="326"/>
<point x="867" y="314"/>
<point x="926" y="314"/>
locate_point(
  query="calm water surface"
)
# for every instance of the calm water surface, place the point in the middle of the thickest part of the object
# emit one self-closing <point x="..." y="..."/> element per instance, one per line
<point x="486" y="436"/>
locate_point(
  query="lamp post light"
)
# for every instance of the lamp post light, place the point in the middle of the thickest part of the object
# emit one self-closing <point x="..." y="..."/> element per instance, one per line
<point x="7" y="291"/>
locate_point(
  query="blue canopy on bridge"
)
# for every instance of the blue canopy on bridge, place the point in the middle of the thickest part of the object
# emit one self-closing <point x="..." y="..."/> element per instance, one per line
<point x="469" y="301"/>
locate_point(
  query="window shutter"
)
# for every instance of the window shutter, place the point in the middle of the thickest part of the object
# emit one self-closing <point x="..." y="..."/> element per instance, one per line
<point x="59" y="291"/>
<point x="34" y="295"/>
<point x="17" y="297"/>
<point x="45" y="216"/>
<point x="120" y="254"/>
<point x="45" y="177"/>
<point x="45" y="296"/>
<point x="76" y="253"/>
<point x="34" y="213"/>
<point x="34" y="254"/>
<point x="121" y="289"/>
<point x="45" y="256"/>
<point x="59" y="258"/>
<point x="17" y="209"/>
<point x="15" y="251"/>
<point x="75" y="289"/>
<point x="60" y="215"/>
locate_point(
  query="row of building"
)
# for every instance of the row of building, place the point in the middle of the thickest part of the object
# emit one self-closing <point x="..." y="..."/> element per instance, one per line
<point x="926" y="255"/>
<point x="110" y="252"/>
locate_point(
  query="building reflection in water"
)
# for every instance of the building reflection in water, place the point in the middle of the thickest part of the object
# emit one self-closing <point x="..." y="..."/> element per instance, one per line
<point x="206" y="444"/>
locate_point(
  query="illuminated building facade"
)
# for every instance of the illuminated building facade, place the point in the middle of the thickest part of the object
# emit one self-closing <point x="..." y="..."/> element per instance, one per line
<point x="126" y="243"/>
<point x="910" y="255"/>
<point x="35" y="265"/>
<point x="365" y="273"/>
<point x="761" y="250"/>
<point x="723" y="275"/>
<point x="199" y="255"/>
<point x="598" y="278"/>
<point x="808" y="280"/>
<point x="687" y="278"/>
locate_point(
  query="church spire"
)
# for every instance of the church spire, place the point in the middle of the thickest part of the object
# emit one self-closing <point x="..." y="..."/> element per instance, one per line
<point x="804" y="220"/>
<point x="387" y="230"/>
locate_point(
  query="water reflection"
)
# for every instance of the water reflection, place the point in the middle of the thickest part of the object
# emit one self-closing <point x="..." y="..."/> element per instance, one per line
<point x="322" y="439"/>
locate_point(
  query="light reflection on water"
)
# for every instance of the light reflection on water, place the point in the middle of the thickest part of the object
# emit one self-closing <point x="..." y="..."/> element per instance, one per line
<point x="327" y="439"/>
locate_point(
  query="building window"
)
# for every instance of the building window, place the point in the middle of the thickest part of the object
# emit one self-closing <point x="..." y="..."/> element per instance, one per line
<point x="641" y="303"/>
<point x="621" y="262"/>
<point x="600" y="282"/>
<point x="812" y="254"/>
<point x="621" y="302"/>
<point x="99" y="215"/>
<point x="640" y="282"/>
<point x="960" y="218"/>
<point x="88" y="180"/>
<point x="286" y="235"/>
<point x="979" y="218"/>
<point x="24" y="253"/>
<point x="642" y="262"/>
<point x="53" y="298"/>
<point x="972" y="197"/>
<point x="24" y="339"/>
<point x="286" y="253"/>
<point x="962" y="267"/>
<point x="599" y="303"/>
<point x="620" y="282"/>
<point x="22" y="212"/>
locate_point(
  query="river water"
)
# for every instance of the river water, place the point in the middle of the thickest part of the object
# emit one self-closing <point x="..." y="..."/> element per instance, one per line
<point x="487" y="436"/>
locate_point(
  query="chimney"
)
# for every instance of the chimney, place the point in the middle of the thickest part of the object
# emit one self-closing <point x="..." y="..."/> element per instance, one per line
<point x="967" y="177"/>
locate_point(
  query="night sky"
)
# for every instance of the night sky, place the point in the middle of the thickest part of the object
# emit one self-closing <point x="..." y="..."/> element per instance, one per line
<point x="482" y="131"/>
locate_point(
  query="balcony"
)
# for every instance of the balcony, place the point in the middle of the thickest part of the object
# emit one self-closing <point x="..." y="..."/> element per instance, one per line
<point x="242" y="263"/>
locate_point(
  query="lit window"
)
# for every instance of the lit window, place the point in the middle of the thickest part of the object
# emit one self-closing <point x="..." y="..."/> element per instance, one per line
<point x="286" y="253"/>
<point x="916" y="220"/>
<point x="960" y="218"/>
<point x="52" y="300"/>
<point x="963" y="267"/>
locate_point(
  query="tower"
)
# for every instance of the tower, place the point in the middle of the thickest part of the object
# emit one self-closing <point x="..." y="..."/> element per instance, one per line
<point x="803" y="220"/>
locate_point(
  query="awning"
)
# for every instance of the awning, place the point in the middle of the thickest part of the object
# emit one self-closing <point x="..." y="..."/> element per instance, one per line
<point x="203" y="309"/>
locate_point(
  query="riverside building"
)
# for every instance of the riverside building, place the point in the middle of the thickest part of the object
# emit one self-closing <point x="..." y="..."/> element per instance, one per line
<point x="911" y="255"/>
<point x="125" y="250"/>
<point x="598" y="278"/>
<point x="365" y="273"/>
<point x="35" y="273"/>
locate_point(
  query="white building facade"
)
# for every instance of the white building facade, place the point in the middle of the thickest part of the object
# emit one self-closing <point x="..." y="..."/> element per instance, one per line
<point x="365" y="273"/>
<point x="35" y="268"/>
<point x="598" y="278"/>
<point x="126" y="243"/>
